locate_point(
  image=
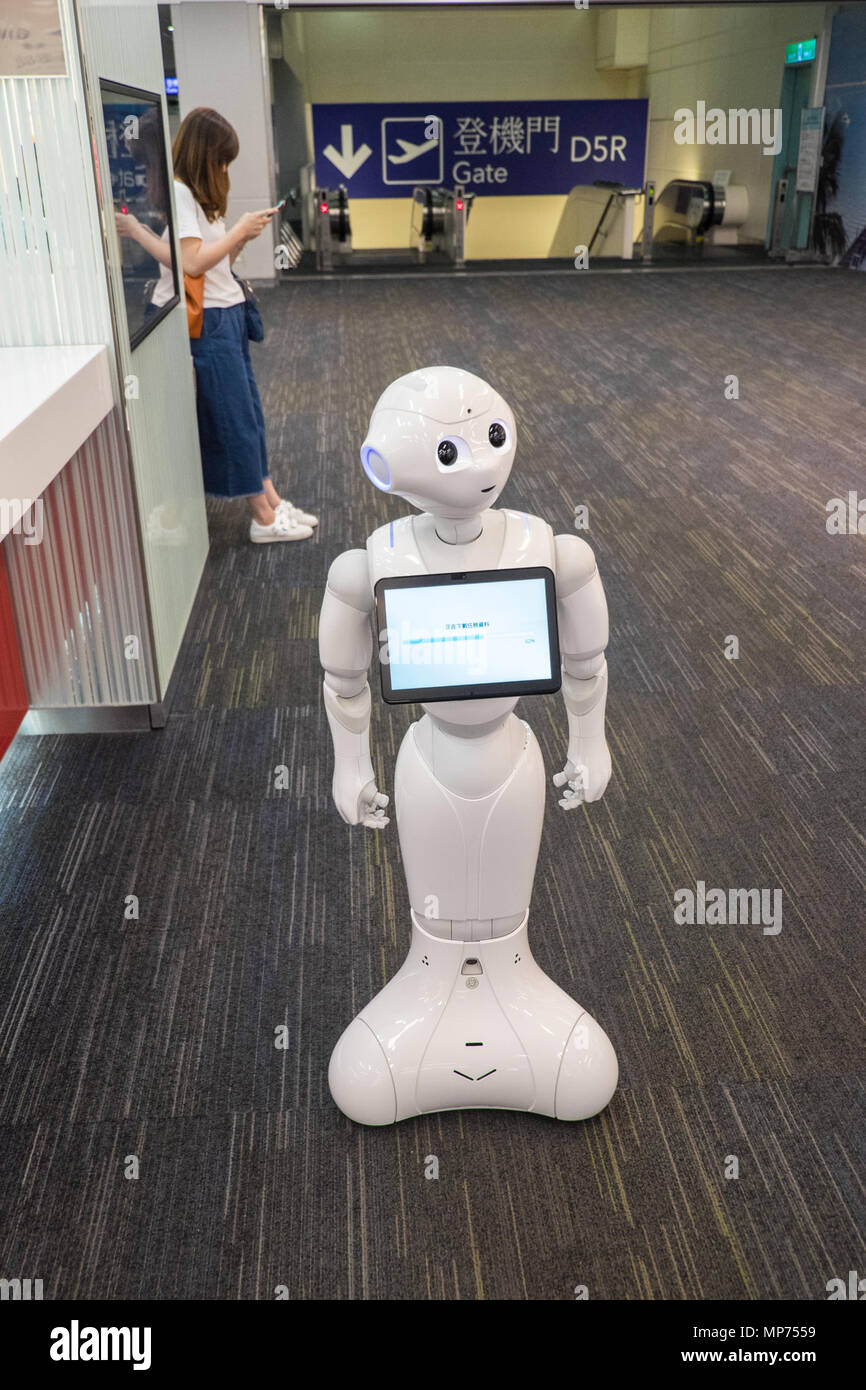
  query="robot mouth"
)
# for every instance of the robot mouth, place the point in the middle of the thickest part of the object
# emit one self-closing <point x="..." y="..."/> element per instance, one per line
<point x="489" y="489"/>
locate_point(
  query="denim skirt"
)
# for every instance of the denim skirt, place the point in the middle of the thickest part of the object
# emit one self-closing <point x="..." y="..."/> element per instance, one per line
<point x="231" y="424"/>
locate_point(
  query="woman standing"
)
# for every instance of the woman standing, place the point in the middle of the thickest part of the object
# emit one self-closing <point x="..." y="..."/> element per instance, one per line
<point x="230" y="420"/>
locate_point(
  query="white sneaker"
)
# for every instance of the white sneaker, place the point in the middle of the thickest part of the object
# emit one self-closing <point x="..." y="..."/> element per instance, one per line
<point x="284" y="527"/>
<point x="305" y="518"/>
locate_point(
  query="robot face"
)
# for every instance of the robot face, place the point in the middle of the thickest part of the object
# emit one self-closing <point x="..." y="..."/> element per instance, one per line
<point x="443" y="439"/>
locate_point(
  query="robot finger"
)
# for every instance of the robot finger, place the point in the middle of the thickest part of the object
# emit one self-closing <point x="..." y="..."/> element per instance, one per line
<point x="376" y="821"/>
<point x="380" y="799"/>
<point x="560" y="779"/>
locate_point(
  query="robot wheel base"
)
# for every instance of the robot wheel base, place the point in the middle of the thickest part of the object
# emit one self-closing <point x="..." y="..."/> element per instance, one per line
<point x="362" y="1085"/>
<point x="360" y="1079"/>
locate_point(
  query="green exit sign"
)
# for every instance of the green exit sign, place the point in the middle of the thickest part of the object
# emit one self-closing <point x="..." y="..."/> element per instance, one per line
<point x="803" y="52"/>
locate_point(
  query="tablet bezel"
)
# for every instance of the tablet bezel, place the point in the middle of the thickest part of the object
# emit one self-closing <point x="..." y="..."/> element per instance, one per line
<point x="442" y="694"/>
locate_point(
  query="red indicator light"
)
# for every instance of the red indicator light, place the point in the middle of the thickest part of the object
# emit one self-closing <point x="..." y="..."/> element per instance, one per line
<point x="124" y="208"/>
<point x="459" y="205"/>
<point x="323" y="207"/>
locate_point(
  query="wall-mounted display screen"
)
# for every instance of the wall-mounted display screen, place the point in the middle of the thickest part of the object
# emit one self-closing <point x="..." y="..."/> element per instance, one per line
<point x="141" y="193"/>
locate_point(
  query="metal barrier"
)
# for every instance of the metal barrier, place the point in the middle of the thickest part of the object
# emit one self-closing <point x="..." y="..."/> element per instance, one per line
<point x="442" y="226"/>
<point x="621" y="199"/>
<point x="333" y="229"/>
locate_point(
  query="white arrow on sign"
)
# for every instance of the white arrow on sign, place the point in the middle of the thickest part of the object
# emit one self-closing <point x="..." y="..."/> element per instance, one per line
<point x="348" y="160"/>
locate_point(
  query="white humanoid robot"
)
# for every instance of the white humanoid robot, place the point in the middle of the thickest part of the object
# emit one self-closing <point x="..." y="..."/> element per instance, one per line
<point x="470" y="1020"/>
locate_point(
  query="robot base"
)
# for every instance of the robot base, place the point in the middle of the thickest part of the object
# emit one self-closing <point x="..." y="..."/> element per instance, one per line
<point x="471" y="1025"/>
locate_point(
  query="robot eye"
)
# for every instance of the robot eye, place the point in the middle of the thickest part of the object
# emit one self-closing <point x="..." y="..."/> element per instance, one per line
<point x="497" y="434"/>
<point x="447" y="452"/>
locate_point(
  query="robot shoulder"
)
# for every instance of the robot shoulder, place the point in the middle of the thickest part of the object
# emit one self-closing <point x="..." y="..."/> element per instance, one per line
<point x="575" y="564"/>
<point x="349" y="580"/>
<point x="528" y="540"/>
<point x="393" y="550"/>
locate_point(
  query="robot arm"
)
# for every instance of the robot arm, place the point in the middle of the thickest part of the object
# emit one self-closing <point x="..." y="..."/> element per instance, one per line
<point x="345" y="648"/>
<point x="583" y="629"/>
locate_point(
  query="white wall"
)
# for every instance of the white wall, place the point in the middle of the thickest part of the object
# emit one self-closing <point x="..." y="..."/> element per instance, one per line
<point x="728" y="56"/>
<point x="221" y="63"/>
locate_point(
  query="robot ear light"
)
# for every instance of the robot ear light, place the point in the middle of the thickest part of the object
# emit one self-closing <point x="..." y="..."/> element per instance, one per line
<point x="376" y="468"/>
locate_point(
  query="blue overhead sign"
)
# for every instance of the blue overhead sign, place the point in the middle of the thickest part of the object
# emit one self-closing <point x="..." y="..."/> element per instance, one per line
<point x="491" y="147"/>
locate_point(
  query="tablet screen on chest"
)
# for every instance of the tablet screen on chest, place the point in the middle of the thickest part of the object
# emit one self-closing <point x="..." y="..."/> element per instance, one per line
<point x="468" y="636"/>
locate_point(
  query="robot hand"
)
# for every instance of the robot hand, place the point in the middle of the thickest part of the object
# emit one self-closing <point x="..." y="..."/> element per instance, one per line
<point x="586" y="775"/>
<point x="356" y="797"/>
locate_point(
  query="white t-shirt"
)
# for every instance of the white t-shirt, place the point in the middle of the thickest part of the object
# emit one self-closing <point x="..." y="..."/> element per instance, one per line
<point x="221" y="289"/>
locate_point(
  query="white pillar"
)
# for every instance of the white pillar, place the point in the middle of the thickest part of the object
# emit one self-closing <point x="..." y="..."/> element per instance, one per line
<point x="220" y="49"/>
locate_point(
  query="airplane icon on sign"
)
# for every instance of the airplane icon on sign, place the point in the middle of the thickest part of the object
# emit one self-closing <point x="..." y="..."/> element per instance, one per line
<point x="411" y="151"/>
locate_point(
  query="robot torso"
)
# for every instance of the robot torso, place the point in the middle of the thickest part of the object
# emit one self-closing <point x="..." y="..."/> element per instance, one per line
<point x="410" y="545"/>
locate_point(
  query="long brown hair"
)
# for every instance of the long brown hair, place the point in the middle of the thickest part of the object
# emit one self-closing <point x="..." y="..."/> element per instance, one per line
<point x="204" y="143"/>
<point x="149" y="149"/>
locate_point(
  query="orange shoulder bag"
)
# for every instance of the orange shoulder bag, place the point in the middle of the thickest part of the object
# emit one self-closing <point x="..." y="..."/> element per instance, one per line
<point x="194" y="288"/>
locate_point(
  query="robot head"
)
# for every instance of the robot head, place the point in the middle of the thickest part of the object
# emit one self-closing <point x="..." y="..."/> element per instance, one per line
<point x="443" y="439"/>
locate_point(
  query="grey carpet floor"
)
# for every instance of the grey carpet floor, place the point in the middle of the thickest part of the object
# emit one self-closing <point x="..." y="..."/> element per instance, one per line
<point x="155" y="1038"/>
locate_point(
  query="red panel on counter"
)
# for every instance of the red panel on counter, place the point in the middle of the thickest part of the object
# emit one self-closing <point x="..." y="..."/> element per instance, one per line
<point x="13" y="691"/>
